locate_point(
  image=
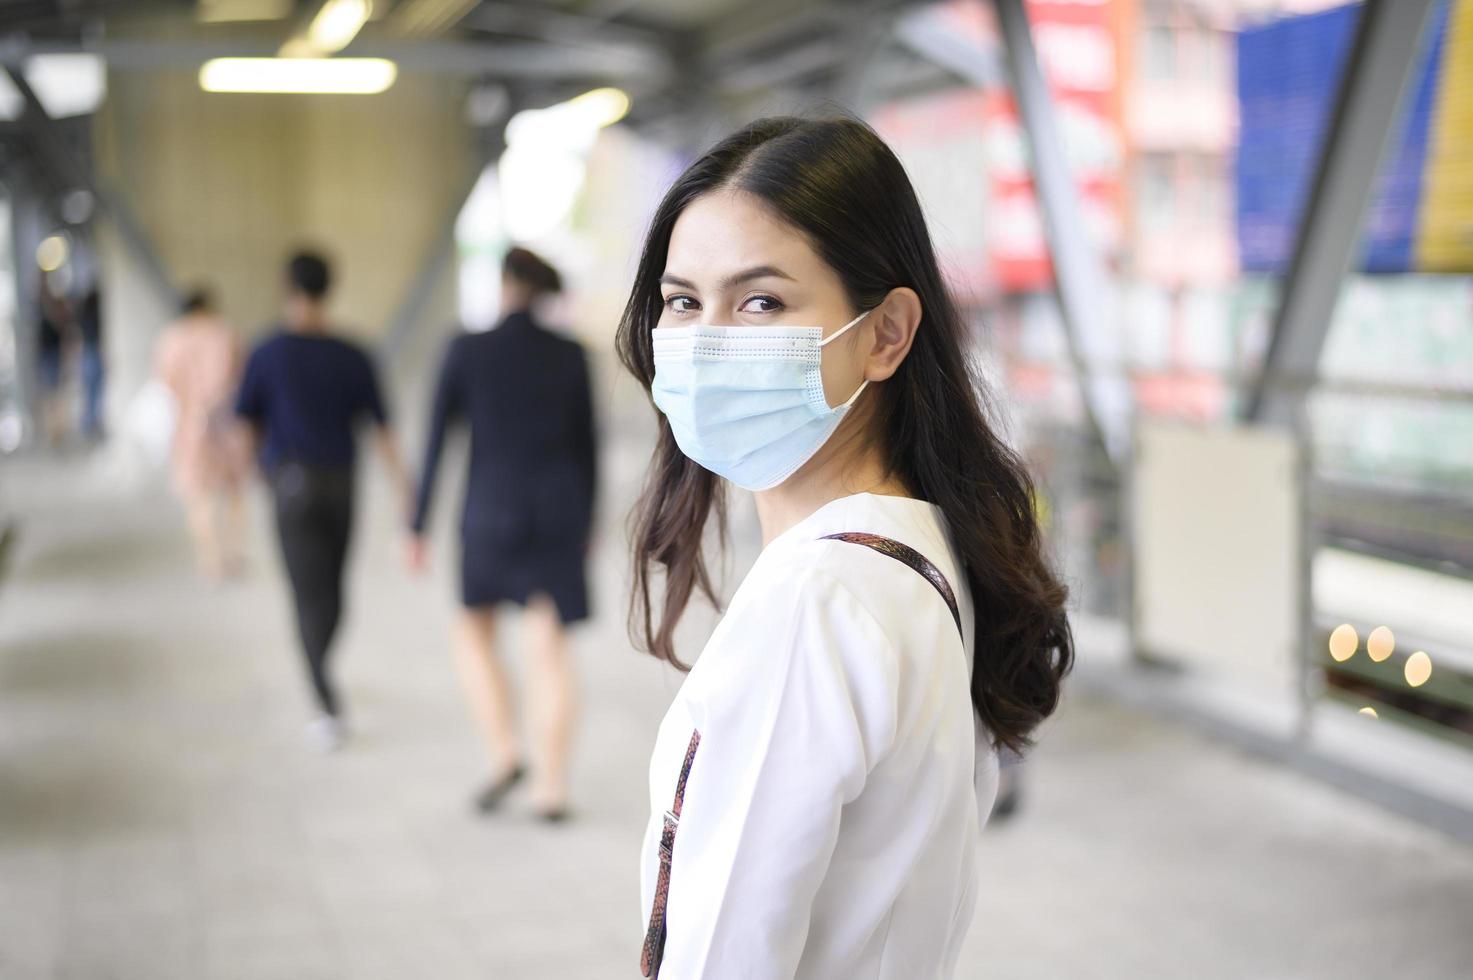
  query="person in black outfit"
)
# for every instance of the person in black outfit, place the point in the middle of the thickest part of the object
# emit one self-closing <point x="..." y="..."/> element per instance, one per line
<point x="305" y="391"/>
<point x="528" y="509"/>
<point x="53" y="335"/>
<point x="94" y="370"/>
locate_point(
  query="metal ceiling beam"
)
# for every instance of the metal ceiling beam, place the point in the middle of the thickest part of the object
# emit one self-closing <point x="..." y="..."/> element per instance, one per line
<point x="758" y="24"/>
<point x="521" y="59"/>
<point x="926" y="33"/>
<point x="1387" y="40"/>
<point x="552" y="24"/>
<point x="1080" y="279"/>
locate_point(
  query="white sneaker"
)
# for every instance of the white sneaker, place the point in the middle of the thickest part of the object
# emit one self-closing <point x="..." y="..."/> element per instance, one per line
<point x="326" y="733"/>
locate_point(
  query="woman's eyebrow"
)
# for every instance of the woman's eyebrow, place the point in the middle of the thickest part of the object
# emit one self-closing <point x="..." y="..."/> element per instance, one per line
<point x="756" y="272"/>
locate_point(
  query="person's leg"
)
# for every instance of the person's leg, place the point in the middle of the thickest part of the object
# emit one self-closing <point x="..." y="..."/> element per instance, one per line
<point x="92" y="381"/>
<point x="1009" y="785"/>
<point x="553" y="691"/>
<point x="335" y="504"/>
<point x="488" y="689"/>
<point x="199" y="509"/>
<point x="53" y="405"/>
<point x="233" y="528"/>
<point x="306" y="527"/>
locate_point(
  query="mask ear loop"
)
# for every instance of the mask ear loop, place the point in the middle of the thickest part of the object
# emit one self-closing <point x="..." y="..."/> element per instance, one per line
<point x="844" y="329"/>
<point x="835" y="336"/>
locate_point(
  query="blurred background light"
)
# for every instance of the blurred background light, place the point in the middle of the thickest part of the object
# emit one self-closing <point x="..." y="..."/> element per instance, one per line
<point x="602" y="106"/>
<point x="1380" y="643"/>
<point x="539" y="188"/>
<point x="1343" y="642"/>
<point x="573" y="124"/>
<point x="12" y="103"/>
<point x="1418" y="669"/>
<point x="545" y="163"/>
<point x="77" y="206"/>
<point x="68" y="84"/>
<point x="337" y="23"/>
<point x="300" y="76"/>
<point x="12" y="429"/>
<point x="52" y="253"/>
<point x="480" y="241"/>
<point x="486" y="105"/>
<point x="1368" y="711"/>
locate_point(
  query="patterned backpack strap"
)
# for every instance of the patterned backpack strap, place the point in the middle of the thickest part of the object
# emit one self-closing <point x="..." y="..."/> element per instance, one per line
<point x="907" y="555"/>
<point x="654" y="937"/>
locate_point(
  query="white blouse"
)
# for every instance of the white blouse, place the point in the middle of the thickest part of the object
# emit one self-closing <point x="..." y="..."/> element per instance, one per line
<point x="831" y="818"/>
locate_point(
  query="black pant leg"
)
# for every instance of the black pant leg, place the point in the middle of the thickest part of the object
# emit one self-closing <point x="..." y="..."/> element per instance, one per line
<point x="314" y="519"/>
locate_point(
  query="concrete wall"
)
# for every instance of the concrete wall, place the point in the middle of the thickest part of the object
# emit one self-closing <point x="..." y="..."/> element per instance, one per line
<point x="226" y="185"/>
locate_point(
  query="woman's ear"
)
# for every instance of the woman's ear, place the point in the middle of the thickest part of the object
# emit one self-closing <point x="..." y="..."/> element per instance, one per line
<point x="895" y="323"/>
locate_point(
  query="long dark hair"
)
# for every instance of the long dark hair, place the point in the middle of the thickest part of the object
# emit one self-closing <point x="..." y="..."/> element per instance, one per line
<point x="838" y="183"/>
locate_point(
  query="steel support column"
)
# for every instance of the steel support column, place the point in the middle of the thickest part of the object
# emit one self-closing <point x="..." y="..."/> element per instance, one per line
<point x="1084" y="289"/>
<point x="438" y="257"/>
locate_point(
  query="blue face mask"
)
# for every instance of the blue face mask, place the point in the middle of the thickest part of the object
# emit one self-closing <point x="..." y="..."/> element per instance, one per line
<point x="747" y="403"/>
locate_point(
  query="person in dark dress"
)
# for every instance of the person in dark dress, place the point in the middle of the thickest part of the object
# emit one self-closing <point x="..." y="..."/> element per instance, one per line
<point x="528" y="508"/>
<point x="305" y="392"/>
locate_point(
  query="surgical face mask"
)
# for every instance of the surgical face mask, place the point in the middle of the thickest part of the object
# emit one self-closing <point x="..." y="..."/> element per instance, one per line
<point x="747" y="403"/>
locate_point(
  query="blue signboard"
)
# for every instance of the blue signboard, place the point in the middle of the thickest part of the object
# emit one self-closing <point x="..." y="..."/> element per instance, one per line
<point x="1288" y="78"/>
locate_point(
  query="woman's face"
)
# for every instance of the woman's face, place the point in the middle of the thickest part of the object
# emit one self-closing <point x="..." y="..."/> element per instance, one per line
<point x="732" y="262"/>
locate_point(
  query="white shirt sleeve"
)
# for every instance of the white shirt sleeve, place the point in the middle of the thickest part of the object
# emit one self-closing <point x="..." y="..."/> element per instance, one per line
<point x="800" y="706"/>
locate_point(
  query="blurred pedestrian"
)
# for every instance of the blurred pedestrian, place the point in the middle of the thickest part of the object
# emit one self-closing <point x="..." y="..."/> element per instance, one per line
<point x="305" y="392"/>
<point x="198" y="358"/>
<point x="94" y="367"/>
<point x="54" y="339"/>
<point x="834" y="749"/>
<point x="524" y="394"/>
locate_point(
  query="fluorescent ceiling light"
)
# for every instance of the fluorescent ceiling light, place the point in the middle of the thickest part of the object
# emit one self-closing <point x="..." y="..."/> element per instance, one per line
<point x="227" y="11"/>
<point x="337" y="23"/>
<point x="301" y="76"/>
<point x="67" y="84"/>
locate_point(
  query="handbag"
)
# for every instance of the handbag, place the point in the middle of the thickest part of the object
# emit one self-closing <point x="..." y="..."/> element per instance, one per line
<point x="653" y="951"/>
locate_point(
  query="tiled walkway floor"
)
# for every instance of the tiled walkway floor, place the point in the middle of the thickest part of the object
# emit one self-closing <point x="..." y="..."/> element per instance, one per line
<point x="161" y="818"/>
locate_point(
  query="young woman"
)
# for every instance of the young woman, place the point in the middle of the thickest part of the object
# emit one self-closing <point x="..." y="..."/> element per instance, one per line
<point x="523" y="392"/>
<point x="198" y="357"/>
<point x="818" y="784"/>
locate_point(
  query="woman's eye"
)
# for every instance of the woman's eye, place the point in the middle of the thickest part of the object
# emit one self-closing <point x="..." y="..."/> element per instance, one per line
<point x="761" y="304"/>
<point x="680" y="304"/>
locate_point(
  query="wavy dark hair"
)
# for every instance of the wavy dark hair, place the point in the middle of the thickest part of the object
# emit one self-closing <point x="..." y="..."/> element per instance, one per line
<point x="836" y="182"/>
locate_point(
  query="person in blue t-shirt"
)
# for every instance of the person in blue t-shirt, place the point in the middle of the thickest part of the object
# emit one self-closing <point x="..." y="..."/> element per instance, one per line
<point x="305" y="392"/>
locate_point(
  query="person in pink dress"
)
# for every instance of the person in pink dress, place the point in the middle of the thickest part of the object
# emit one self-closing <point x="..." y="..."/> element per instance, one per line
<point x="198" y="358"/>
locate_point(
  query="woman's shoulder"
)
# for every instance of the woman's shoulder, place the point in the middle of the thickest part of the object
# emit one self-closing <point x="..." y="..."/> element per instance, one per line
<point x="896" y="578"/>
<point x="801" y="604"/>
<point x="881" y="550"/>
<point x="797" y="638"/>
